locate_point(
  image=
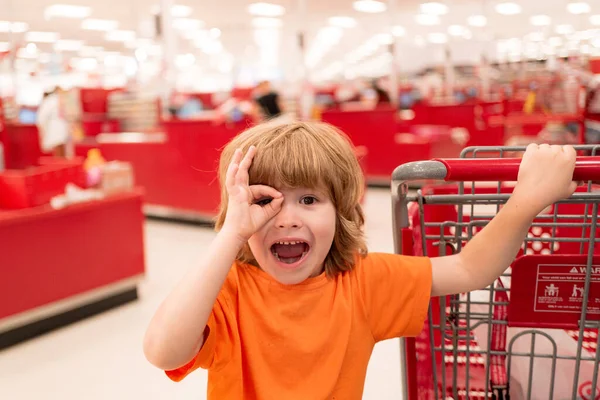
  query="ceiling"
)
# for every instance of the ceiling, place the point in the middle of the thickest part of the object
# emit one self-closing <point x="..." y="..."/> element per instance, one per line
<point x="239" y="41"/>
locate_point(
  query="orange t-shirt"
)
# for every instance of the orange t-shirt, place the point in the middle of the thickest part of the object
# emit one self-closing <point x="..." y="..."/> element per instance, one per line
<point x="312" y="340"/>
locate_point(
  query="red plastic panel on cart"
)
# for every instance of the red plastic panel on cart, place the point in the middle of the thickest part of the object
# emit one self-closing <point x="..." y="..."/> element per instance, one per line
<point x="547" y="291"/>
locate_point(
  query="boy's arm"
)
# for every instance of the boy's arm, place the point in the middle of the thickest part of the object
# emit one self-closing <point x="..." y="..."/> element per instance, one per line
<point x="176" y="332"/>
<point x="545" y="176"/>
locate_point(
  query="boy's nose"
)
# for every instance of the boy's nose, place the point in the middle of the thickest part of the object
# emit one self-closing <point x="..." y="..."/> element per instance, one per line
<point x="287" y="218"/>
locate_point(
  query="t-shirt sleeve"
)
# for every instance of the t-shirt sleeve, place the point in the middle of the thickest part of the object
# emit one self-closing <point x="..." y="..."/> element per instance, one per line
<point x="218" y="337"/>
<point x="396" y="291"/>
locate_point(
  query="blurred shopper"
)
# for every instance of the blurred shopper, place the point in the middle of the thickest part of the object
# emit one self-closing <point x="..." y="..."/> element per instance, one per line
<point x="268" y="101"/>
<point x="53" y="127"/>
<point x="382" y="96"/>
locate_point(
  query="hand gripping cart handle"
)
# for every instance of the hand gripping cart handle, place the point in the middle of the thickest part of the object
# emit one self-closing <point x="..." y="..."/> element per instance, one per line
<point x="468" y="348"/>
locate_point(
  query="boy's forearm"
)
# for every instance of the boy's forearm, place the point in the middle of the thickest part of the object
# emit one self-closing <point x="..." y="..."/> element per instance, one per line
<point x="176" y="331"/>
<point x="491" y="251"/>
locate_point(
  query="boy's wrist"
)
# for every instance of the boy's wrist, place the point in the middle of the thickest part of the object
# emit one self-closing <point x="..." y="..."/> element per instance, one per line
<point x="232" y="236"/>
<point x="524" y="206"/>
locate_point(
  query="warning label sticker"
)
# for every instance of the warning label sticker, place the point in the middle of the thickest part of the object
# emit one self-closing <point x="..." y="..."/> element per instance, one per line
<point x="547" y="291"/>
<point x="560" y="288"/>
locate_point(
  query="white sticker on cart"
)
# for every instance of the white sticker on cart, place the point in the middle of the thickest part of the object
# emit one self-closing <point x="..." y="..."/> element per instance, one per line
<point x="560" y="288"/>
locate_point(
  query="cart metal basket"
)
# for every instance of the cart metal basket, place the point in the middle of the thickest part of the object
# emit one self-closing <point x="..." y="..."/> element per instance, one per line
<point x="527" y="336"/>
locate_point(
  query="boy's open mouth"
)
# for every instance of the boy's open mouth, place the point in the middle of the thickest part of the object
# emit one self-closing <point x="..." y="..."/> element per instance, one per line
<point x="289" y="252"/>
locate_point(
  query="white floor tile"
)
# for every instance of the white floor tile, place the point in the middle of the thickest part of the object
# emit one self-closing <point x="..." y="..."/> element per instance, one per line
<point x="101" y="358"/>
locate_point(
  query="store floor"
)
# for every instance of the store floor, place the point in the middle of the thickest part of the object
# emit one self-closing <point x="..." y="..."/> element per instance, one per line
<point x="101" y="358"/>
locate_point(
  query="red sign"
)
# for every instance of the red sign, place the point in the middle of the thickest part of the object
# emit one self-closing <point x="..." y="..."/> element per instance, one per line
<point x="547" y="291"/>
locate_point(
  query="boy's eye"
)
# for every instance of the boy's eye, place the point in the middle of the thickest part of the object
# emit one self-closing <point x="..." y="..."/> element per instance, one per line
<point x="263" y="202"/>
<point x="308" y="200"/>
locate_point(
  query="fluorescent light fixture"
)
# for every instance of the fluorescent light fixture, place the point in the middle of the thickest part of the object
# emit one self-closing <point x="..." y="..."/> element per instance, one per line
<point x="398" y="30"/>
<point x="342" y="22"/>
<point x="211" y="47"/>
<point x="595" y="19"/>
<point x="16" y="27"/>
<point x="103" y="25"/>
<point x="187" y="24"/>
<point x="477" y="20"/>
<point x="265" y="22"/>
<point x="458" y="30"/>
<point x="266" y="9"/>
<point x="564" y="29"/>
<point x="555" y="41"/>
<point x="90" y="51"/>
<point x="179" y="11"/>
<point x="42" y="37"/>
<point x="540" y="20"/>
<point x="578" y="7"/>
<point x="67" y="11"/>
<point x="508" y="8"/>
<point x="84" y="64"/>
<point x="185" y="60"/>
<point x="437" y="38"/>
<point x="536" y="37"/>
<point x="369" y="6"/>
<point x="4" y="46"/>
<point x="383" y="38"/>
<point x="119" y="36"/>
<point x="434" y="8"/>
<point x="427" y="19"/>
<point x="68" y="45"/>
<point x="214" y="33"/>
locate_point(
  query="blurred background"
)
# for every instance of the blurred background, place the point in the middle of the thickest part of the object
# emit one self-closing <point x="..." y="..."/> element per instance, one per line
<point x="113" y="114"/>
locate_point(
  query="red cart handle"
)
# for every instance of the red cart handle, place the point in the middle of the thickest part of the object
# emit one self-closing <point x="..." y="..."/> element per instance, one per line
<point x="507" y="169"/>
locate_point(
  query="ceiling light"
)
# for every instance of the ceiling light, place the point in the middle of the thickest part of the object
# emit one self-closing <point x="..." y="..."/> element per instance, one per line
<point x="342" y="22"/>
<point x="84" y="64"/>
<point x="68" y="45"/>
<point x="540" y="20"/>
<point x="264" y="22"/>
<point x="555" y="41"/>
<point x="211" y="47"/>
<point x="383" y="38"/>
<point x="434" y="8"/>
<point x="398" y="30"/>
<point x="369" y="6"/>
<point x="427" y="19"/>
<point x="458" y="30"/>
<point x="102" y="25"/>
<point x="477" y="20"/>
<point x="179" y="11"/>
<point x="90" y="51"/>
<point x="215" y="33"/>
<point x="266" y="9"/>
<point x="119" y="36"/>
<point x="66" y="11"/>
<point x="187" y="24"/>
<point x="42" y="37"/>
<point x="595" y="19"/>
<point x="536" y="37"/>
<point x="185" y="60"/>
<point x="15" y="27"/>
<point x="578" y="8"/>
<point x="564" y="29"/>
<point x="437" y="38"/>
<point x="508" y="8"/>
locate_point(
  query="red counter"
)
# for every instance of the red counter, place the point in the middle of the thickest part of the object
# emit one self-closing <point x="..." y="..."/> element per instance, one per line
<point x="388" y="146"/>
<point x="23" y="145"/>
<point x="59" y="266"/>
<point x="177" y="168"/>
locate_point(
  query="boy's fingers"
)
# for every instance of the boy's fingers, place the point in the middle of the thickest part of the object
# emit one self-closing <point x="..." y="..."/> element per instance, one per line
<point x="242" y="174"/>
<point x="259" y="191"/>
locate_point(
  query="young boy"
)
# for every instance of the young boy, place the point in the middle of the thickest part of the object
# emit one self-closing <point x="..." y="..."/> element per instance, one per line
<point x="287" y="303"/>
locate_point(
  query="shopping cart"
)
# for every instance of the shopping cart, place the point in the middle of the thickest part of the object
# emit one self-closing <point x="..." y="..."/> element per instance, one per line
<point x="526" y="336"/>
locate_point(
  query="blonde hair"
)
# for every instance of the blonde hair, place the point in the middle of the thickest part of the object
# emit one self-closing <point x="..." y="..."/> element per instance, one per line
<point x="306" y="154"/>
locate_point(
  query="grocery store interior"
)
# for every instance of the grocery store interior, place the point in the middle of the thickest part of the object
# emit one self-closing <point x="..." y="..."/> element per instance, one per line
<point x="113" y="115"/>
